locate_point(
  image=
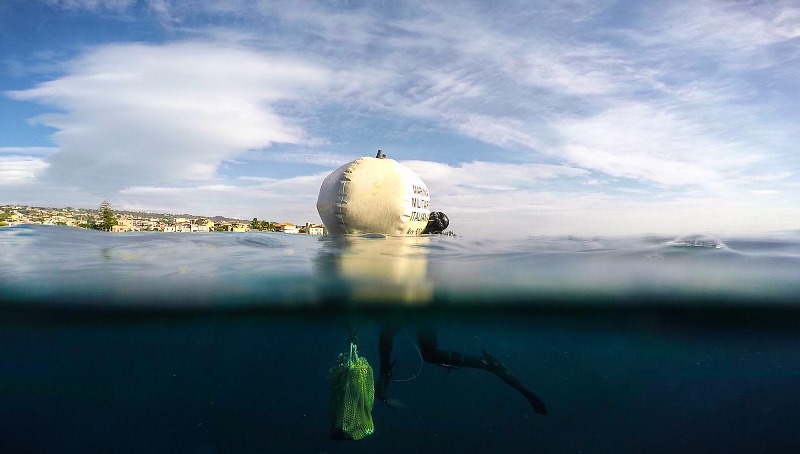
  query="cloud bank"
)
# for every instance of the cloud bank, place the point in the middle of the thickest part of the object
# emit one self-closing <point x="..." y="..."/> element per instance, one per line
<point x="137" y="114"/>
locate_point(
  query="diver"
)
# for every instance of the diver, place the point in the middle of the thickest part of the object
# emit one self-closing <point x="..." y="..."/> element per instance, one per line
<point x="437" y="223"/>
<point x="428" y="347"/>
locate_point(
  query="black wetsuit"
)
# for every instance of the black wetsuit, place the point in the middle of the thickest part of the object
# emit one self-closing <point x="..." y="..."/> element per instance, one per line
<point x="431" y="353"/>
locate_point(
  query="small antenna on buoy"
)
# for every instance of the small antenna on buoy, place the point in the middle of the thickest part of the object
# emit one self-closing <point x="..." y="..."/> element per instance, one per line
<point x="380" y="155"/>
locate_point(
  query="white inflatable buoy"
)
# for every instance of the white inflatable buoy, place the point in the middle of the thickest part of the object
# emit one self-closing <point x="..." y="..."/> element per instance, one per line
<point x="374" y="195"/>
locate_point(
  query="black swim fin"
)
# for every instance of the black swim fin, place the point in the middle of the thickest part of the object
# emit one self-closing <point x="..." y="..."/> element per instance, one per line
<point x="494" y="365"/>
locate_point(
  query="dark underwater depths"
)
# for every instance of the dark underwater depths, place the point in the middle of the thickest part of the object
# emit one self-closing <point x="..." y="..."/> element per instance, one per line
<point x="613" y="381"/>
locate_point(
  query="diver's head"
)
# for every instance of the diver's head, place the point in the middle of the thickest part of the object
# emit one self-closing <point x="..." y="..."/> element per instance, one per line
<point x="437" y="223"/>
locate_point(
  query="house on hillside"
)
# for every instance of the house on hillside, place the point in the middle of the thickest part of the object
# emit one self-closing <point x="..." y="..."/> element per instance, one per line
<point x="60" y="220"/>
<point x="203" y="225"/>
<point x="184" y="227"/>
<point x="286" y="227"/>
<point x="313" y="229"/>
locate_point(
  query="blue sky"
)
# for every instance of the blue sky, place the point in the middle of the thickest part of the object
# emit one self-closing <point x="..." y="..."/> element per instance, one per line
<point x="523" y="118"/>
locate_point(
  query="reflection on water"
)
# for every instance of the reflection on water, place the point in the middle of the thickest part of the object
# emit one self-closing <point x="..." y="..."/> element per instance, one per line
<point x="378" y="269"/>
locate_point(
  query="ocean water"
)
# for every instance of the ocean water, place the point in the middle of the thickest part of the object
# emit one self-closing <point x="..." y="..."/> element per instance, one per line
<point x="217" y="343"/>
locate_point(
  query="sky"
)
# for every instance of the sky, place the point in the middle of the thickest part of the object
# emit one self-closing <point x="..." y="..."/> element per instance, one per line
<point x="524" y="118"/>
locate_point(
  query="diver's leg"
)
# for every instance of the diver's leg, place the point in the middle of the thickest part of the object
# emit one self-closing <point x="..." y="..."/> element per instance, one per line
<point x="492" y="364"/>
<point x="428" y="346"/>
<point x="385" y="345"/>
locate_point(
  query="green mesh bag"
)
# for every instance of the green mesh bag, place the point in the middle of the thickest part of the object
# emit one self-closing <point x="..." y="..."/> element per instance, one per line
<point x="352" y="392"/>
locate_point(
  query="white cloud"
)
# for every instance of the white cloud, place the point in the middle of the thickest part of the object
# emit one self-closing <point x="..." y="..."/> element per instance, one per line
<point x="505" y="132"/>
<point x="500" y="200"/>
<point x="22" y="165"/>
<point x="733" y="33"/>
<point x="290" y="200"/>
<point x="770" y="177"/>
<point x="443" y="178"/>
<point x="566" y="212"/>
<point x="161" y="9"/>
<point x="320" y="158"/>
<point x="140" y="114"/>
<point x="92" y="5"/>
<point x="20" y="169"/>
<point x="658" y="145"/>
<point x="28" y="151"/>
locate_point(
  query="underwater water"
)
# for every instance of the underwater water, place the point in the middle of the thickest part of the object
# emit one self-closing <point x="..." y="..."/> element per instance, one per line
<point x="216" y="343"/>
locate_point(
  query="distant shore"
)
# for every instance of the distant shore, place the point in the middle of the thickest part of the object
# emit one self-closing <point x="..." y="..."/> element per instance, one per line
<point x="133" y="221"/>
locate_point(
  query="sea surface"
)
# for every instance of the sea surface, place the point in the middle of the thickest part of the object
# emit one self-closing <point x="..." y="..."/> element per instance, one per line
<point x="223" y="342"/>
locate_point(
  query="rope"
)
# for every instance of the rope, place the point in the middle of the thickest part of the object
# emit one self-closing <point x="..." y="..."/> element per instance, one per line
<point x="421" y="361"/>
